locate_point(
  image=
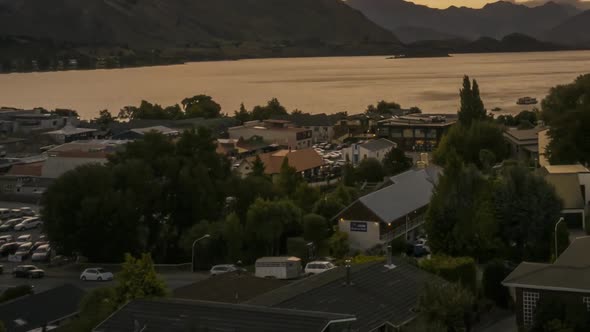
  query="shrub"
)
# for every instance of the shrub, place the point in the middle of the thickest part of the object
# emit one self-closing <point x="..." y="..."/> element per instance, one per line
<point x="16" y="292"/>
<point x="493" y="289"/>
<point x="454" y="269"/>
<point x="339" y="244"/>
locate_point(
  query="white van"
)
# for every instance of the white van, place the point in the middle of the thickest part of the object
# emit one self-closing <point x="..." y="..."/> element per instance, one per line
<point x="278" y="267"/>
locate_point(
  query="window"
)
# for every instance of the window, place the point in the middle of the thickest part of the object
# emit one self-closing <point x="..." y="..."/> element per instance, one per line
<point x="586" y="300"/>
<point x="529" y="303"/>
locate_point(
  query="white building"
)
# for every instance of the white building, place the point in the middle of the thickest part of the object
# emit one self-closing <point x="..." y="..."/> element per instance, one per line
<point x="376" y="149"/>
<point x="280" y="132"/>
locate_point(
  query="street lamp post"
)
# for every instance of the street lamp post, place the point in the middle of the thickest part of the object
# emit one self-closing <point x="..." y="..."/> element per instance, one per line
<point x="555" y="234"/>
<point x="193" y="250"/>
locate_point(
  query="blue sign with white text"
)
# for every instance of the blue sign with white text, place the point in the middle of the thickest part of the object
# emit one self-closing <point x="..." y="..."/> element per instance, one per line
<point x="358" y="226"/>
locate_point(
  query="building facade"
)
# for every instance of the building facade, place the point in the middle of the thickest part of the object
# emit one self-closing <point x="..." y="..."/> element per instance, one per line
<point x="416" y="132"/>
<point x="376" y="149"/>
<point x="279" y="132"/>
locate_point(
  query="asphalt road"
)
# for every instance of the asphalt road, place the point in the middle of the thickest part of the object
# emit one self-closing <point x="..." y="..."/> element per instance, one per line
<point x="56" y="278"/>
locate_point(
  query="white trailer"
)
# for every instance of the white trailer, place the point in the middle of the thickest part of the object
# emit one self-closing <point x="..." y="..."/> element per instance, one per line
<point x="278" y="267"/>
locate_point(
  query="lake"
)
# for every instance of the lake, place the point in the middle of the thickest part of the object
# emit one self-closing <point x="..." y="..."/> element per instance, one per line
<point x="312" y="85"/>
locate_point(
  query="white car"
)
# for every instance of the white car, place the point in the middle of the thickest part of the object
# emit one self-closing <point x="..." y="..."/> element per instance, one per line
<point x="96" y="274"/>
<point x="224" y="268"/>
<point x="24" y="238"/>
<point x="318" y="267"/>
<point x="27" y="211"/>
<point x="28" y="223"/>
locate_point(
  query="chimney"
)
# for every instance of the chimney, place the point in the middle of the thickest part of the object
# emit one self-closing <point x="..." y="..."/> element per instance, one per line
<point x="389" y="264"/>
<point x="348" y="281"/>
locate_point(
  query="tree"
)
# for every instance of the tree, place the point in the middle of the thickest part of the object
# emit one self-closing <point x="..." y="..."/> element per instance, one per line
<point x="526" y="208"/>
<point x="138" y="279"/>
<point x="233" y="234"/>
<point x="472" y="108"/>
<point x="316" y="228"/>
<point x="493" y="275"/>
<point x="370" y="170"/>
<point x="288" y="179"/>
<point x="273" y="108"/>
<point x="338" y="244"/>
<point x="469" y="141"/>
<point x="269" y="222"/>
<point x="460" y="218"/>
<point x="447" y="304"/>
<point x="306" y="196"/>
<point x="396" y="161"/>
<point x="242" y="115"/>
<point x="201" y="106"/>
<point x="258" y="167"/>
<point x="567" y="112"/>
<point x="383" y="107"/>
<point x="105" y="118"/>
<point x="328" y="207"/>
<point x="95" y="307"/>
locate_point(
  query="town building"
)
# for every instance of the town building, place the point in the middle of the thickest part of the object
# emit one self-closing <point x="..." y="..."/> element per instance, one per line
<point x="139" y="133"/>
<point x="242" y="148"/>
<point x="37" y="120"/>
<point x="280" y="132"/>
<point x="416" y="132"/>
<point x="68" y="156"/>
<point x="177" y="315"/>
<point x="394" y="211"/>
<point x="375" y="148"/>
<point x="307" y="162"/>
<point x="523" y="143"/>
<point x="566" y="279"/>
<point x="321" y="125"/>
<point x="70" y="133"/>
<point x="572" y="185"/>
<point x="383" y="295"/>
<point x="49" y="309"/>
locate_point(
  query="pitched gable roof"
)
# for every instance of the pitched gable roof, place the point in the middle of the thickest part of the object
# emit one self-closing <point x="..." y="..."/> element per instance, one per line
<point x="31" y="169"/>
<point x="32" y="311"/>
<point x="301" y="160"/>
<point x="175" y="315"/>
<point x="408" y="192"/>
<point x="378" y="144"/>
<point x="570" y="272"/>
<point x="378" y="295"/>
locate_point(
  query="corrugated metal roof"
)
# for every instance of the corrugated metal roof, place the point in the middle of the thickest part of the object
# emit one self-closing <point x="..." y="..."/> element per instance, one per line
<point x="175" y="315"/>
<point x="378" y="144"/>
<point x="410" y="191"/>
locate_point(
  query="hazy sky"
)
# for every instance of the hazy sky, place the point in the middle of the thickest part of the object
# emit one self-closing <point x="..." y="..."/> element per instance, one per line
<point x="459" y="3"/>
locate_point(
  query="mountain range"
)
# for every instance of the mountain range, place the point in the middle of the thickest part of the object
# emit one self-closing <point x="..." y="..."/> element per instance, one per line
<point x="188" y="23"/>
<point x="550" y="21"/>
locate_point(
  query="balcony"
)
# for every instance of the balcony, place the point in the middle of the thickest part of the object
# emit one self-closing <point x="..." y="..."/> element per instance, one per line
<point x="402" y="229"/>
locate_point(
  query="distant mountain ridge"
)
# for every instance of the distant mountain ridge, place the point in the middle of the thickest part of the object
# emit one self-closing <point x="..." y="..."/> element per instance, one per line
<point x="574" y="31"/>
<point x="178" y="23"/>
<point x="494" y="20"/>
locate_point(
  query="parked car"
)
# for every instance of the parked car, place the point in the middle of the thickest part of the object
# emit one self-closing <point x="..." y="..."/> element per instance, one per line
<point x="28" y="223"/>
<point x="24" y="238"/>
<point x="24" y="250"/>
<point x="9" y="224"/>
<point x="39" y="243"/>
<point x="42" y="253"/>
<point x="224" y="268"/>
<point x="6" y="239"/>
<point x="96" y="274"/>
<point x="318" y="267"/>
<point x="4" y="213"/>
<point x="27" y="212"/>
<point x="28" y="271"/>
<point x="15" y="213"/>
<point x="9" y="248"/>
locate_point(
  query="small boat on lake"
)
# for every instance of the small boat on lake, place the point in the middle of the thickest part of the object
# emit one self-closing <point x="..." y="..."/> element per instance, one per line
<point x="526" y="101"/>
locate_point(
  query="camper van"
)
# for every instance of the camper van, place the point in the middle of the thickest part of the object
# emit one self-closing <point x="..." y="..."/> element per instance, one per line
<point x="278" y="267"/>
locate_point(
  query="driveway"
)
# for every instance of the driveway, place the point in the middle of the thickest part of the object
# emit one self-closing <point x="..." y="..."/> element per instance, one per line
<point x="507" y="324"/>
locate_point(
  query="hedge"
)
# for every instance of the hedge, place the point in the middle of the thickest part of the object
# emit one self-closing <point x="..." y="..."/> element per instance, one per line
<point x="454" y="269"/>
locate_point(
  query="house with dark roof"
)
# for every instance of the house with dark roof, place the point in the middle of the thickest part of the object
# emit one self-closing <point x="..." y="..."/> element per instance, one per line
<point x="416" y="132"/>
<point x="321" y="125"/>
<point x="49" y="308"/>
<point x="176" y="315"/>
<point x="391" y="212"/>
<point x="376" y="149"/>
<point x="139" y="133"/>
<point x="523" y="143"/>
<point x="568" y="278"/>
<point x="572" y="185"/>
<point x="70" y="133"/>
<point x="382" y="296"/>
<point x="280" y="132"/>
